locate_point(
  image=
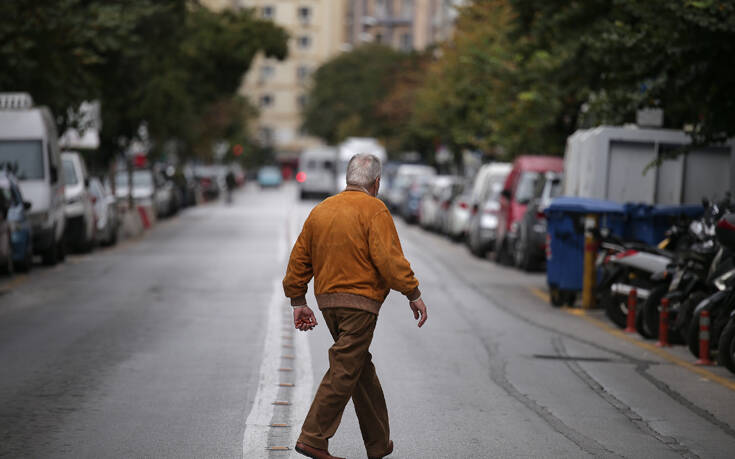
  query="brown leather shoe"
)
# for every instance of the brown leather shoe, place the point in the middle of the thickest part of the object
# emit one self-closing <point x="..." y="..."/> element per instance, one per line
<point x="387" y="453"/>
<point x="314" y="453"/>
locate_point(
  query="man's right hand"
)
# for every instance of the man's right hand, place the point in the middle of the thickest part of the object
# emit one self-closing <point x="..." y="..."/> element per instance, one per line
<point x="419" y="309"/>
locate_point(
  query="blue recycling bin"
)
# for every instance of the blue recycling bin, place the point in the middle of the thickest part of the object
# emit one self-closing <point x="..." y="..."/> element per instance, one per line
<point x="648" y="224"/>
<point x="565" y="254"/>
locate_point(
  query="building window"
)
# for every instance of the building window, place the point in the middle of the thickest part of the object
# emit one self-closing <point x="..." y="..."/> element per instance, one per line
<point x="267" y="72"/>
<point x="406" y="42"/>
<point x="304" y="42"/>
<point x="378" y="38"/>
<point x="265" y="135"/>
<point x="266" y="100"/>
<point x="304" y="14"/>
<point x="407" y="9"/>
<point x="302" y="73"/>
<point x="268" y="12"/>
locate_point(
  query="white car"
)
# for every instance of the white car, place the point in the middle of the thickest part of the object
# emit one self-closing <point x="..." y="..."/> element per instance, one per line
<point x="105" y="210"/>
<point x="405" y="175"/>
<point x="81" y="228"/>
<point x="431" y="202"/>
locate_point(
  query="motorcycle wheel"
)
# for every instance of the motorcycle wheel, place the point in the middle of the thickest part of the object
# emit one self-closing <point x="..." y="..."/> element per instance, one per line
<point x="726" y="347"/>
<point x="693" y="336"/>
<point x="684" y="318"/>
<point x="616" y="308"/>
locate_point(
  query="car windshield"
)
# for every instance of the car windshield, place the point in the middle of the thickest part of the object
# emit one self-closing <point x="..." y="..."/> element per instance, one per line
<point x="27" y="155"/>
<point x="70" y="174"/>
<point x="526" y="186"/>
<point x="555" y="188"/>
<point x="142" y="178"/>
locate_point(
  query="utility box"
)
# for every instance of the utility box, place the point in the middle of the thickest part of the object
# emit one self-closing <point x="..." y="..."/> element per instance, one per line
<point x="609" y="163"/>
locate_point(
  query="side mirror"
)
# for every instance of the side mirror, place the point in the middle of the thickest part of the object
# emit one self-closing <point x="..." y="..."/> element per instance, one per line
<point x="54" y="172"/>
<point x="27" y="205"/>
<point x="506" y="194"/>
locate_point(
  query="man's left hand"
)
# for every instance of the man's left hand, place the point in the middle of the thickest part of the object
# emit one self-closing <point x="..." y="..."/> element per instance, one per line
<point x="304" y="319"/>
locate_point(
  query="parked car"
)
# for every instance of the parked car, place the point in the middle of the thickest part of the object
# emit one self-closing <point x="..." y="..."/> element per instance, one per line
<point x="143" y="191"/>
<point x="459" y="216"/>
<point x="317" y="174"/>
<point x="269" y="177"/>
<point x="404" y="176"/>
<point x="80" y="225"/>
<point x="167" y="198"/>
<point x="105" y="211"/>
<point x="517" y="193"/>
<point x="529" y="249"/>
<point x="29" y="142"/>
<point x="431" y="201"/>
<point x="484" y="206"/>
<point x="446" y="198"/>
<point x="15" y="223"/>
<point x="410" y="208"/>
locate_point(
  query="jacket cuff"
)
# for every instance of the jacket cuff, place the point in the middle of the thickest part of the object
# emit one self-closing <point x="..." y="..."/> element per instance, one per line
<point x="413" y="294"/>
<point x="298" y="301"/>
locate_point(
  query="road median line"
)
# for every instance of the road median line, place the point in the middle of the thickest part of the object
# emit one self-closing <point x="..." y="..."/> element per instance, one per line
<point x="725" y="382"/>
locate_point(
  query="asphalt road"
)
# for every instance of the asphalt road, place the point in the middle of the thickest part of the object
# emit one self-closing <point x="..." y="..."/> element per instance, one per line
<point x="173" y="345"/>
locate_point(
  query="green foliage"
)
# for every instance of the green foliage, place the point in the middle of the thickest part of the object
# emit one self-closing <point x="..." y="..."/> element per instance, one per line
<point x="163" y="63"/>
<point x="347" y="90"/>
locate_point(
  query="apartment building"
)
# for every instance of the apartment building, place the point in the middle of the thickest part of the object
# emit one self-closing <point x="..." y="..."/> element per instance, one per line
<point x="279" y="88"/>
<point x="402" y="24"/>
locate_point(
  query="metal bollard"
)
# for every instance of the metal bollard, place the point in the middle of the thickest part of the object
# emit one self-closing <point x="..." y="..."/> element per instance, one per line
<point x="632" y="300"/>
<point x="589" y="278"/>
<point x="663" y="324"/>
<point x="704" y="339"/>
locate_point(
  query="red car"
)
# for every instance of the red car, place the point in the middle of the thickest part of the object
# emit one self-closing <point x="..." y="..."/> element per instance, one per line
<point x="517" y="192"/>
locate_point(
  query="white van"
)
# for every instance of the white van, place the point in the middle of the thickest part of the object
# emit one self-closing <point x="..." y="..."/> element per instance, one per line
<point x="351" y="147"/>
<point x="316" y="175"/>
<point x="29" y="141"/>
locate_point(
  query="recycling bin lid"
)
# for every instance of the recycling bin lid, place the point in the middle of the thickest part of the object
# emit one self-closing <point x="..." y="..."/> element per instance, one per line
<point x="584" y="206"/>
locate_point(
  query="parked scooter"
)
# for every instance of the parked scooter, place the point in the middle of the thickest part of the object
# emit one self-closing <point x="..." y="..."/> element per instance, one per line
<point x="721" y="304"/>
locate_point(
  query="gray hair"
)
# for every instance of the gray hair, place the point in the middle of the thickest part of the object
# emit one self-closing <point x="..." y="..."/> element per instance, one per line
<point x="363" y="169"/>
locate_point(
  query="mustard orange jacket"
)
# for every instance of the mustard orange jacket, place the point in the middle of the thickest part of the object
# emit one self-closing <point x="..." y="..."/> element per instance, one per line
<point x="350" y="246"/>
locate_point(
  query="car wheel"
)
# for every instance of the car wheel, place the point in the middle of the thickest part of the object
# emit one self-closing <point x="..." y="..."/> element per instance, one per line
<point x="27" y="262"/>
<point x="7" y="267"/>
<point x="521" y="257"/>
<point x="51" y="254"/>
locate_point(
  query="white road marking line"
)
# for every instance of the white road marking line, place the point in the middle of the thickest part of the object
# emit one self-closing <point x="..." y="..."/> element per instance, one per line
<point x="255" y="437"/>
<point x="302" y="392"/>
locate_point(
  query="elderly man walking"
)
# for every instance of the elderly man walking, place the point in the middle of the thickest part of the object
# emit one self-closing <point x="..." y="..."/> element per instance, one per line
<point x="350" y="246"/>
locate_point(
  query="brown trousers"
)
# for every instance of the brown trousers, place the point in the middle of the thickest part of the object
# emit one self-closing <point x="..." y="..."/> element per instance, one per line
<point x="351" y="373"/>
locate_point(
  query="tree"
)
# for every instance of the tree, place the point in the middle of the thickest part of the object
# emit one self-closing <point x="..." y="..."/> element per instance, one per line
<point x="161" y="63"/>
<point x="346" y="93"/>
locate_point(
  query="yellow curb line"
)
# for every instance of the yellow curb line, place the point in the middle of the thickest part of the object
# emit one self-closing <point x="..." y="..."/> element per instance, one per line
<point x="701" y="371"/>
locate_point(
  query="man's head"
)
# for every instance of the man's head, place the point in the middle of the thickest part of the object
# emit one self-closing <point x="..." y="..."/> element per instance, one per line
<point x="364" y="170"/>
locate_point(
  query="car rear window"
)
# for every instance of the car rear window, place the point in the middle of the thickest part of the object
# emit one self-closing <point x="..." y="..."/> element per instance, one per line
<point x="26" y="155"/>
<point x="70" y="174"/>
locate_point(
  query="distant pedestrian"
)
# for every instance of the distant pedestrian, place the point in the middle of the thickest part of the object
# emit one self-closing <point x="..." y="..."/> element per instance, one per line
<point x="350" y="246"/>
<point x="230" y="183"/>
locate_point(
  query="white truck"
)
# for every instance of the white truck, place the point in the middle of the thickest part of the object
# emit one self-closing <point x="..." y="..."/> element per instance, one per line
<point x="349" y="148"/>
<point x="609" y="163"/>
